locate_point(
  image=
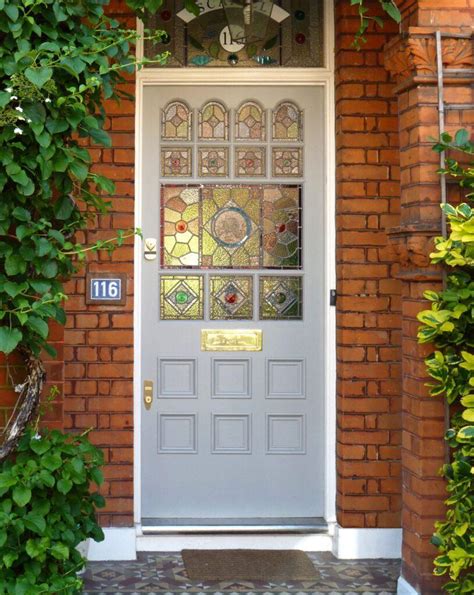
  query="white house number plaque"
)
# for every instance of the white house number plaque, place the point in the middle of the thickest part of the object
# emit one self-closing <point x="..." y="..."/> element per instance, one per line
<point x="106" y="288"/>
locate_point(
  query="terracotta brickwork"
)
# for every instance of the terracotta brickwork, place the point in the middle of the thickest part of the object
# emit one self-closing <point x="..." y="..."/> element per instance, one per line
<point x="99" y="339"/>
<point x="412" y="61"/>
<point x="368" y="311"/>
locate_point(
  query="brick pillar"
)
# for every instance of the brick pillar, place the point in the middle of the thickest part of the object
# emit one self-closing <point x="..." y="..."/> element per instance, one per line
<point x="368" y="307"/>
<point x="412" y="60"/>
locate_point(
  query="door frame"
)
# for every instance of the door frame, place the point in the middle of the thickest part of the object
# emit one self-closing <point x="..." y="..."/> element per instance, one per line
<point x="308" y="77"/>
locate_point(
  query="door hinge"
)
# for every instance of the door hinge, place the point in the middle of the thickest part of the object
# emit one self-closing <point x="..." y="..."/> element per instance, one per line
<point x="332" y="297"/>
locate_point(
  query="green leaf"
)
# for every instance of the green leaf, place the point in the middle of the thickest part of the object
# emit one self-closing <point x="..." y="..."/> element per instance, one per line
<point x="40" y="286"/>
<point x="51" y="462"/>
<point x="392" y="11"/>
<point x="100" y="137"/>
<point x="21" y="214"/>
<point x="79" y="170"/>
<point x="33" y="548"/>
<point x="39" y="76"/>
<point x="9" y="339"/>
<point x="35" y="522"/>
<point x="21" y="495"/>
<point x="9" y="559"/>
<point x="461" y="137"/>
<point x="38" y="325"/>
<point x="63" y="208"/>
<point x="14" y="264"/>
<point x="60" y="551"/>
<point x="64" y="485"/>
<point x="49" y="269"/>
<point x="11" y="10"/>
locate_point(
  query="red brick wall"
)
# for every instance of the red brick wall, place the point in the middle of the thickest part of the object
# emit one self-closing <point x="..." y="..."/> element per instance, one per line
<point x="99" y="339"/>
<point x="368" y="313"/>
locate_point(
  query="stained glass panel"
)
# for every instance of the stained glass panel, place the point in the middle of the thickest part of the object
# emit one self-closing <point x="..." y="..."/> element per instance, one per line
<point x="250" y="162"/>
<point x="230" y="231"/>
<point x="294" y="37"/>
<point x="176" y="122"/>
<point x="250" y="122"/>
<point x="287" y="122"/>
<point x="213" y="161"/>
<point x="213" y="122"/>
<point x="180" y="226"/>
<point x="281" y="227"/>
<point x="287" y="162"/>
<point x="231" y="297"/>
<point x="238" y="226"/>
<point x="181" y="297"/>
<point x="176" y="162"/>
<point x="281" y="298"/>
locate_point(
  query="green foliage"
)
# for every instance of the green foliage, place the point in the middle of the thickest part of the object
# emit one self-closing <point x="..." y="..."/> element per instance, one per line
<point x="59" y="60"/>
<point x="449" y="324"/>
<point x="46" y="510"/>
<point x="388" y="6"/>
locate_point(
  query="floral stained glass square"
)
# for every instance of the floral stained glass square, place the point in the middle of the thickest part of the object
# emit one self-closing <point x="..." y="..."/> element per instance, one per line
<point x="176" y="162"/>
<point x="231" y="297"/>
<point x="250" y="162"/>
<point x="180" y="226"/>
<point x="213" y="161"/>
<point x="282" y="227"/>
<point x="181" y="297"/>
<point x="281" y="298"/>
<point x="287" y="162"/>
<point x="230" y="229"/>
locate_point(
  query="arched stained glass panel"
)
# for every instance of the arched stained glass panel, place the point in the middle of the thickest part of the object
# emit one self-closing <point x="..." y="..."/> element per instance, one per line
<point x="287" y="122"/>
<point x="213" y="122"/>
<point x="176" y="122"/>
<point x="250" y="122"/>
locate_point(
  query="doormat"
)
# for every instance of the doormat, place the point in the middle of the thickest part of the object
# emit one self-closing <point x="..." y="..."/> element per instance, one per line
<point x="255" y="565"/>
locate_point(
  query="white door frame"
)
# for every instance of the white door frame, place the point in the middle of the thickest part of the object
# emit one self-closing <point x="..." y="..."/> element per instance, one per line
<point x="320" y="77"/>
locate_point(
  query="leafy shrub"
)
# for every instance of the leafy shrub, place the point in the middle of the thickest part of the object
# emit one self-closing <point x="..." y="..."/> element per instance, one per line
<point x="449" y="324"/>
<point x="46" y="509"/>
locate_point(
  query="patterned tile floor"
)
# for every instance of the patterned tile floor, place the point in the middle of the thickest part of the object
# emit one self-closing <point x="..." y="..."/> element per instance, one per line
<point x="164" y="574"/>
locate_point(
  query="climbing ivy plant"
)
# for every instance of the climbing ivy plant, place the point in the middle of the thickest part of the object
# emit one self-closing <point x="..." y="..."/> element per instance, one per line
<point x="389" y="7"/>
<point x="449" y="324"/>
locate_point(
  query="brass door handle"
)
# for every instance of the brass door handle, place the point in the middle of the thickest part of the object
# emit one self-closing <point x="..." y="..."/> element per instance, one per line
<point x="148" y="393"/>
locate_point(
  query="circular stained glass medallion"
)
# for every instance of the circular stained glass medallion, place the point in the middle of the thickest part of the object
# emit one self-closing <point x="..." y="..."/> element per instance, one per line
<point x="231" y="227"/>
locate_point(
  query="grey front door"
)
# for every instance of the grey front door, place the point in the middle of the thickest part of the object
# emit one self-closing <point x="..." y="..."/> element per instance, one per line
<point x="233" y="192"/>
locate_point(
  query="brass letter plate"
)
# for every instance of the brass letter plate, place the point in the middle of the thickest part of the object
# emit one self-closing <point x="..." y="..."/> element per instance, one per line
<point x="231" y="340"/>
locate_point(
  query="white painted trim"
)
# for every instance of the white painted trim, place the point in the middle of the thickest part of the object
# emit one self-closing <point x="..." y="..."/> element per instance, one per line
<point x="404" y="587"/>
<point x="119" y="544"/>
<point x="292" y="77"/>
<point x="176" y="543"/>
<point x="354" y="544"/>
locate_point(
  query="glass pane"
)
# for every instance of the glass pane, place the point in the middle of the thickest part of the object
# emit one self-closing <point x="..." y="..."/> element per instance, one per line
<point x="293" y="38"/>
<point x="250" y="162"/>
<point x="180" y="226"/>
<point x="287" y="122"/>
<point x="287" y="162"/>
<point x="176" y="119"/>
<point x="240" y="226"/>
<point x="176" y="162"/>
<point x="282" y="227"/>
<point x="231" y="298"/>
<point x="181" y="297"/>
<point x="250" y="122"/>
<point x="281" y="298"/>
<point x="213" y="161"/>
<point x="213" y="122"/>
<point x="230" y="231"/>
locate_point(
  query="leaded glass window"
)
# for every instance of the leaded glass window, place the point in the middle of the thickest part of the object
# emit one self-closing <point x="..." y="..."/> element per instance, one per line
<point x="176" y="122"/>
<point x="213" y="122"/>
<point x="250" y="122"/>
<point x="294" y="37"/>
<point x="231" y="226"/>
<point x="287" y="122"/>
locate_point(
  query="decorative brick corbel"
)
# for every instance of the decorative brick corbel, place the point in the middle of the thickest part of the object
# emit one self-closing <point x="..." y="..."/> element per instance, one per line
<point x="411" y="58"/>
<point x="413" y="245"/>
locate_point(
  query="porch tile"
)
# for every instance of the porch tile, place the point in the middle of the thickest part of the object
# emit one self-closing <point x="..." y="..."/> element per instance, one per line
<point x="164" y="574"/>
